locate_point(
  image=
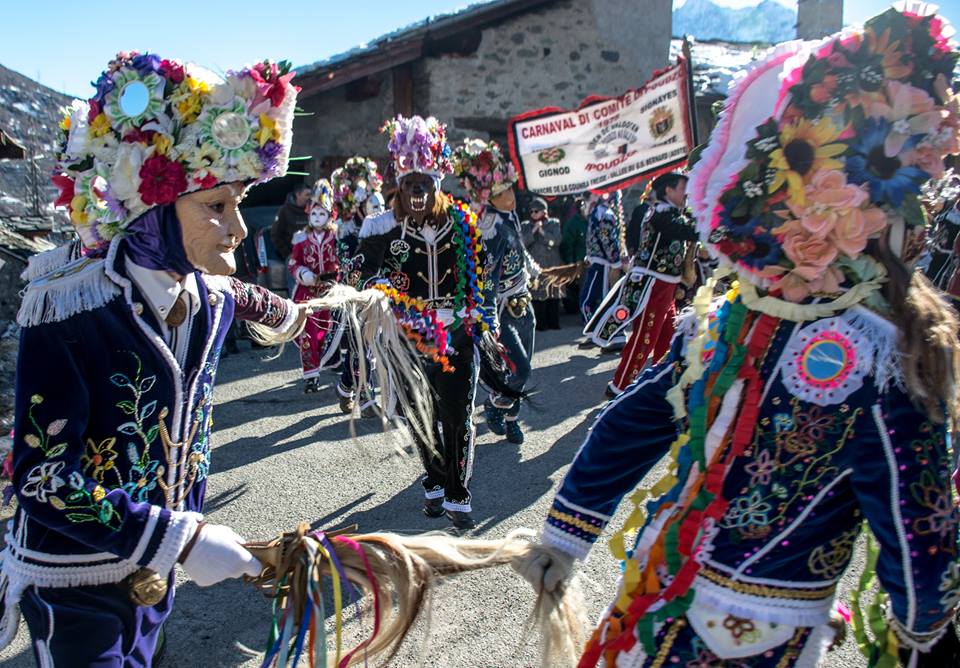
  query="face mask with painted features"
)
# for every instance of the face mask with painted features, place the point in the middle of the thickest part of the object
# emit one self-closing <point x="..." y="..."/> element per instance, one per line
<point x="505" y="201"/>
<point x="318" y="217"/>
<point x="418" y="196"/>
<point x="212" y="227"/>
<point x="374" y="205"/>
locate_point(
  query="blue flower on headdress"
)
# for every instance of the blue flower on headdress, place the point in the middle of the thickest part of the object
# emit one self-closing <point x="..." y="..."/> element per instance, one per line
<point x="103" y="85"/>
<point x="887" y="177"/>
<point x="745" y="238"/>
<point x="146" y="63"/>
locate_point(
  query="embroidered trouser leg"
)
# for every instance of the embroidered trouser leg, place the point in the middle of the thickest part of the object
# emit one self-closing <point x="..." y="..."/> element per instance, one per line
<point x="92" y="626"/>
<point x="350" y="369"/>
<point x="652" y="331"/>
<point x="592" y="289"/>
<point x="448" y="475"/>
<point x="517" y="336"/>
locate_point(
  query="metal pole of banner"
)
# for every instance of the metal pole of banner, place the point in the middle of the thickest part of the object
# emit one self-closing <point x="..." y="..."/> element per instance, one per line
<point x="691" y="93"/>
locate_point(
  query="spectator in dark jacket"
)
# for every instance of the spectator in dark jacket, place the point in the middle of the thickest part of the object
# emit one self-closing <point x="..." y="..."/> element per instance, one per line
<point x="291" y="218"/>
<point x="573" y="248"/>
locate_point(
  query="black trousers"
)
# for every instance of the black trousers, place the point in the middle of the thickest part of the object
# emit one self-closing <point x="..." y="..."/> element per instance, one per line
<point x="448" y="476"/>
<point x="548" y="314"/>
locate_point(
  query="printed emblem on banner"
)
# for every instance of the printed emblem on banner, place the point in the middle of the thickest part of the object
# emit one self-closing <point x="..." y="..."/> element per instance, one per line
<point x="661" y="122"/>
<point x="551" y="155"/>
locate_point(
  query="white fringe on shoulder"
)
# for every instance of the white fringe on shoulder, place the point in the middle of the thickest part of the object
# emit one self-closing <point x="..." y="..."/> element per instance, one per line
<point x="880" y="335"/>
<point x="43" y="263"/>
<point x="81" y="285"/>
<point x="376" y="225"/>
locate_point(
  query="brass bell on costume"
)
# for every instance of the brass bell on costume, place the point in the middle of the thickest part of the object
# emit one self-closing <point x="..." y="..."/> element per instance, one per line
<point x="145" y="587"/>
<point x="517" y="306"/>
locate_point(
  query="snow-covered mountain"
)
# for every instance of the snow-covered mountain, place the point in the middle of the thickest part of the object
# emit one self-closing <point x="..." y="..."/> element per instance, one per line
<point x="768" y="21"/>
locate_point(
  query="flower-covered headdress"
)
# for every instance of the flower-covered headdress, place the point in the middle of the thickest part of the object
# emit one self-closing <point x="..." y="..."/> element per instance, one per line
<point x="482" y="170"/>
<point x="825" y="145"/>
<point x="157" y="129"/>
<point x="354" y="183"/>
<point x="418" y="145"/>
<point x="322" y="196"/>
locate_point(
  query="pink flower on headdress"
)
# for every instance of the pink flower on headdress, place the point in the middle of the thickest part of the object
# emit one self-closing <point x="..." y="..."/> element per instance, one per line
<point x="910" y="111"/>
<point x="811" y="255"/>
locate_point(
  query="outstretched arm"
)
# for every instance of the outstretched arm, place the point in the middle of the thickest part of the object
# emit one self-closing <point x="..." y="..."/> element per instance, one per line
<point x="632" y="434"/>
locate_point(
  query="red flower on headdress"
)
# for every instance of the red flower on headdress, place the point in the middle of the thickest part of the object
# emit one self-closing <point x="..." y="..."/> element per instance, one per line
<point x="161" y="180"/>
<point x="93" y="111"/>
<point x="137" y="135"/>
<point x="172" y="70"/>
<point x="207" y="181"/>
<point x="272" y="86"/>
<point x="66" y="186"/>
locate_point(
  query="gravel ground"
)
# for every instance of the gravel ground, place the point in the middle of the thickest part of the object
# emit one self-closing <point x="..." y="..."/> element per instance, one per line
<point x="282" y="457"/>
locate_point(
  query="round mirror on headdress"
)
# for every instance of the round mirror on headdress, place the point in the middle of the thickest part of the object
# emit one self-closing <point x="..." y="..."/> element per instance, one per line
<point x="230" y="130"/>
<point x="134" y="99"/>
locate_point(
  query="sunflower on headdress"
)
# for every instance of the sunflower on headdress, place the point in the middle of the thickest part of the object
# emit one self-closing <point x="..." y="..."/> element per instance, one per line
<point x="805" y="148"/>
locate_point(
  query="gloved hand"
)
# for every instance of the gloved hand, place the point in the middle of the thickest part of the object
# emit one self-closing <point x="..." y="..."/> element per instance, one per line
<point x="307" y="277"/>
<point x="545" y="568"/>
<point x="216" y="554"/>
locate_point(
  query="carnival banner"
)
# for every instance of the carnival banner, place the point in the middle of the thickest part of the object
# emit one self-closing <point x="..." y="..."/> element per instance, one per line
<point x="607" y="143"/>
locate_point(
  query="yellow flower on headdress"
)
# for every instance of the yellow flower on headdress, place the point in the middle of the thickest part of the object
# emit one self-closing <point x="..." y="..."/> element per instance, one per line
<point x="192" y="103"/>
<point x="162" y="144"/>
<point x="893" y="63"/>
<point x="78" y="210"/>
<point x="268" y="130"/>
<point x="65" y="122"/>
<point x="805" y="148"/>
<point x="100" y="125"/>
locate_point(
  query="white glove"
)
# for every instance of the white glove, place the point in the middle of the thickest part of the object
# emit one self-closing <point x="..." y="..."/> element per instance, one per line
<point x="545" y="568"/>
<point x="307" y="277"/>
<point x="219" y="554"/>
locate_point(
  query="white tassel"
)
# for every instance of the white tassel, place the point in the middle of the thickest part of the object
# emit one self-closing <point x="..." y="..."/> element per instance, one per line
<point x="43" y="263"/>
<point x="880" y="336"/>
<point x="377" y="225"/>
<point x="79" y="286"/>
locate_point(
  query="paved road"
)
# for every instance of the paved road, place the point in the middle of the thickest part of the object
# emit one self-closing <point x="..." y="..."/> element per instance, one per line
<point x="282" y="457"/>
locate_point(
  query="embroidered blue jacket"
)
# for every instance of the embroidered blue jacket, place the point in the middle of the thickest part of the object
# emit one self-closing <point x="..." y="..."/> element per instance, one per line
<point x="506" y="271"/>
<point x="603" y="237"/>
<point x="838" y="441"/>
<point x="112" y="437"/>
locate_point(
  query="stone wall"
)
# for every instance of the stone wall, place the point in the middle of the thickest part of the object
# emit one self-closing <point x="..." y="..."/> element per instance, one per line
<point x="553" y="56"/>
<point x="819" y="18"/>
<point x="10" y="287"/>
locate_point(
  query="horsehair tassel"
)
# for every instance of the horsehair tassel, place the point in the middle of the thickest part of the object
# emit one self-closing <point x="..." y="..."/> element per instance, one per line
<point x="401" y="572"/>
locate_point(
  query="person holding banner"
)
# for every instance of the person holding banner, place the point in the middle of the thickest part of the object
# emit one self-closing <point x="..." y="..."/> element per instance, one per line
<point x="645" y="297"/>
<point x="604" y="255"/>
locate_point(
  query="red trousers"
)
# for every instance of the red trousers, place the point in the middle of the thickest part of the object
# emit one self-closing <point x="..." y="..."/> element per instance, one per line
<point x="651" y="333"/>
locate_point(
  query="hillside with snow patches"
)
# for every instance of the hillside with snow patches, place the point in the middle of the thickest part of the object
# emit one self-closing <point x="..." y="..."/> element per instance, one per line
<point x="29" y="112"/>
<point x="768" y="21"/>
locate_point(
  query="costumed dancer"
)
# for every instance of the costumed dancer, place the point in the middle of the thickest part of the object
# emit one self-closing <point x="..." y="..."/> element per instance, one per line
<point x="119" y="350"/>
<point x="809" y="404"/>
<point x="646" y="295"/>
<point x="314" y="266"/>
<point x="357" y="194"/>
<point x="605" y="255"/>
<point x="428" y="247"/>
<point x="488" y="179"/>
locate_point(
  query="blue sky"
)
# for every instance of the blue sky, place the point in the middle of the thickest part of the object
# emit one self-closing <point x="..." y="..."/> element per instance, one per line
<point x="66" y="45"/>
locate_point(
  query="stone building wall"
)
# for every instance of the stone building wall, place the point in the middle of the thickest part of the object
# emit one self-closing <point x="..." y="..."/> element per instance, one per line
<point x="553" y="56"/>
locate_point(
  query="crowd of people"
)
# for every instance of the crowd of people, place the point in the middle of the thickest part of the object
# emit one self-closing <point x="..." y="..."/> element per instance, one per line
<point x="780" y="346"/>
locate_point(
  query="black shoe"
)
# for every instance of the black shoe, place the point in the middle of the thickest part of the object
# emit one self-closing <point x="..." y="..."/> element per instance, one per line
<point x="494" y="418"/>
<point x="609" y="393"/>
<point x="311" y="386"/>
<point x="586" y="345"/>
<point x="433" y="508"/>
<point x="462" y="522"/>
<point x="514" y="433"/>
<point x="346" y="404"/>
